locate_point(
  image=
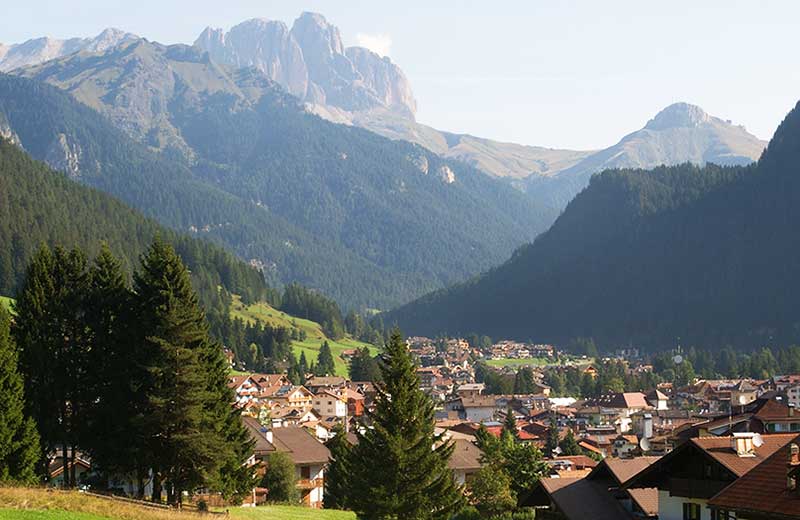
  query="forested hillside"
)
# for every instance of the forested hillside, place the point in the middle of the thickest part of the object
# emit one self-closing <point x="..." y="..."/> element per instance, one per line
<point x="697" y="256"/>
<point x="369" y="221"/>
<point x="40" y="206"/>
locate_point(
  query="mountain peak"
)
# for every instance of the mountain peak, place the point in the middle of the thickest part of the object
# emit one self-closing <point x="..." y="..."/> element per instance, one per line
<point x="678" y="115"/>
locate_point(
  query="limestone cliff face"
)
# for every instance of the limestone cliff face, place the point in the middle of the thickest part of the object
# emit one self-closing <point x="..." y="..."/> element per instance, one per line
<point x="311" y="62"/>
<point x="39" y="50"/>
<point x="64" y="154"/>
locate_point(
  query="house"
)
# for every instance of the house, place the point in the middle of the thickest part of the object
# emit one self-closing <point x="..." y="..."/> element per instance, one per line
<point x="768" y="491"/>
<point x="623" y="405"/>
<point x="624" y="446"/>
<point x="81" y="464"/>
<point x="657" y="399"/>
<point x="615" y="473"/>
<point x="330" y="404"/>
<point x="465" y="460"/>
<point x="695" y="471"/>
<point x="743" y="393"/>
<point x="308" y="455"/>
<point x="293" y="396"/>
<point x="470" y="389"/>
<point x="479" y="408"/>
<point x="316" y="384"/>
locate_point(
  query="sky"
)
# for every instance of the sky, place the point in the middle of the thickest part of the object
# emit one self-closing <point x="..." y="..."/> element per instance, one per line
<point x="571" y="74"/>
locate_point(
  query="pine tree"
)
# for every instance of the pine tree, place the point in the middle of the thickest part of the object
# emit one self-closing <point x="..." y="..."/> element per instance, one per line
<point x="279" y="479"/>
<point x="110" y="393"/>
<point x="337" y="481"/>
<point x="552" y="436"/>
<point x="183" y="422"/>
<point x="19" y="440"/>
<point x="51" y="335"/>
<point x="325" y="363"/>
<point x="399" y="466"/>
<point x="510" y="424"/>
<point x="570" y="446"/>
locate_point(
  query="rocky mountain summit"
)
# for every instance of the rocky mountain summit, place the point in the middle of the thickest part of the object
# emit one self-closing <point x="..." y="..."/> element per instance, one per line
<point x="310" y="61"/>
<point x="39" y="50"/>
<point x="679" y="133"/>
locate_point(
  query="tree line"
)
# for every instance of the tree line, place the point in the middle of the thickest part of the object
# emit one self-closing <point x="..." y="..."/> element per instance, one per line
<point x="127" y="373"/>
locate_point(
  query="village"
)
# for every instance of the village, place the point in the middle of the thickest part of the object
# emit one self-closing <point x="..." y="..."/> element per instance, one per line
<point x="712" y="449"/>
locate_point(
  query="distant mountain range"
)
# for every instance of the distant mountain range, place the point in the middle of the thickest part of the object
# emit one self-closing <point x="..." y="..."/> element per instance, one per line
<point x="684" y="254"/>
<point x="39" y="50"/>
<point x="370" y="221"/>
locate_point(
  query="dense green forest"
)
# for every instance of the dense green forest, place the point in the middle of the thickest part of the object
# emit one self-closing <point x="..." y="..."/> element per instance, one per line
<point x="680" y="255"/>
<point x="40" y="206"/>
<point x="369" y="221"/>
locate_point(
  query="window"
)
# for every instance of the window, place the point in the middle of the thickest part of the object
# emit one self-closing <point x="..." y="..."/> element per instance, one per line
<point x="722" y="514"/>
<point x="691" y="511"/>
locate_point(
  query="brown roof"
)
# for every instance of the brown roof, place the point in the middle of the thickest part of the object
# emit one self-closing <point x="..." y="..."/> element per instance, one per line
<point x="479" y="401"/>
<point x="774" y="411"/>
<point x="465" y="455"/>
<point x="258" y="433"/>
<point x="326" y="381"/>
<point x="763" y="489"/>
<point x="579" y="461"/>
<point x="300" y="445"/>
<point x="624" y="469"/>
<point x="720" y="449"/>
<point x="580" y="499"/>
<point x="646" y="499"/>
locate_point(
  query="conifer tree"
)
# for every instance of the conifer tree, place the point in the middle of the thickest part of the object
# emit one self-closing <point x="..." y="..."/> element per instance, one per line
<point x="398" y="468"/>
<point x="510" y="424"/>
<point x="50" y="333"/>
<point x="552" y="436"/>
<point x="19" y="440"/>
<point x="325" y="364"/>
<point x="570" y="446"/>
<point x="182" y="423"/>
<point x="337" y="481"/>
<point x="110" y="393"/>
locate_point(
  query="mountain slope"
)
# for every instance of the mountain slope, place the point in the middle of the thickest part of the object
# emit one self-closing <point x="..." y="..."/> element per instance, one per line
<point x="41" y="206"/>
<point x="399" y="220"/>
<point x="71" y="137"/>
<point x="689" y="254"/>
<point x="39" y="50"/>
<point x="679" y="133"/>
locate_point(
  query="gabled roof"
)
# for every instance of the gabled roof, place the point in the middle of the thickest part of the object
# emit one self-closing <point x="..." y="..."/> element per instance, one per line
<point x="719" y="448"/>
<point x="466" y="456"/>
<point x="300" y="445"/>
<point x="621" y="470"/>
<point x="258" y="434"/>
<point x="763" y="489"/>
<point x="581" y="498"/>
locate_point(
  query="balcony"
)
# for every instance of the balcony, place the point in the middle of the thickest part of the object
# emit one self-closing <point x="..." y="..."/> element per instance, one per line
<point x="695" y="488"/>
<point x="312" y="483"/>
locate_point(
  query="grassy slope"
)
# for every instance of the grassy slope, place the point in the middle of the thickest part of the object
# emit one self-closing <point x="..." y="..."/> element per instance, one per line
<point x="314" y="335"/>
<point x="39" y="504"/>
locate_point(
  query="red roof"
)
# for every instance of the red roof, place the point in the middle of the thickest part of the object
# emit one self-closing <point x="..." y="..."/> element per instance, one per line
<point x="763" y="490"/>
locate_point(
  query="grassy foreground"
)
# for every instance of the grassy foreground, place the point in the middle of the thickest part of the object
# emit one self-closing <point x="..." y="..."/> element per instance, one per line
<point x="314" y="336"/>
<point x="41" y="504"/>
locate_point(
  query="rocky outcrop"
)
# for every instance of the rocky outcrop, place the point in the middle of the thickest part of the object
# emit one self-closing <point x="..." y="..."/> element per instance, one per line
<point x="64" y="155"/>
<point x="39" y="50"/>
<point x="311" y="62"/>
<point x="7" y="133"/>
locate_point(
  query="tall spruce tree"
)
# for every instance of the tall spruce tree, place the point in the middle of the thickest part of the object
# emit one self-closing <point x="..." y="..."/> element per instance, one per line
<point x="399" y="469"/>
<point x="183" y="421"/>
<point x="19" y="440"/>
<point x="325" y="364"/>
<point x="51" y="335"/>
<point x="110" y="392"/>
<point x="337" y="479"/>
<point x="510" y="424"/>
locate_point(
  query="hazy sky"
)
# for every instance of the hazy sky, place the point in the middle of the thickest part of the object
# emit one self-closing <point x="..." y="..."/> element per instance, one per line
<point x="560" y="74"/>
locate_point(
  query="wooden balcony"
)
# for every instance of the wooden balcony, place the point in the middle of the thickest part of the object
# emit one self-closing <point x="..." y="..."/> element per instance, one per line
<point x="306" y="483"/>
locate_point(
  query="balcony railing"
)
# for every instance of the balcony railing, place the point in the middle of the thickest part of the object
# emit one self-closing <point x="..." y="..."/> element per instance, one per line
<point x="306" y="483"/>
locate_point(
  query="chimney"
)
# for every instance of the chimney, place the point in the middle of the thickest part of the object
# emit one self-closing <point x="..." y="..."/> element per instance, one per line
<point x="742" y="444"/>
<point x="793" y="464"/>
<point x="791" y="410"/>
<point x="647" y="429"/>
